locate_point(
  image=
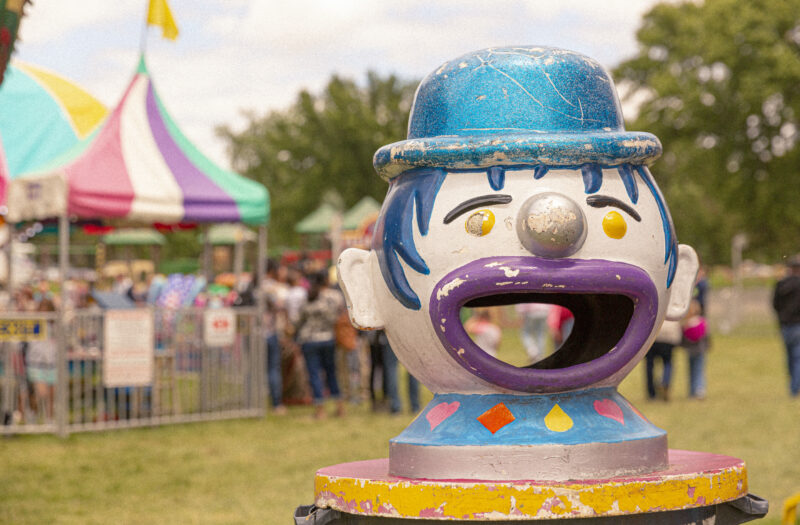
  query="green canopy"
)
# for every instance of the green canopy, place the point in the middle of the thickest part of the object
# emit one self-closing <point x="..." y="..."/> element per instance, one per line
<point x="134" y="237"/>
<point x="356" y="215"/>
<point x="318" y="221"/>
<point x="228" y="233"/>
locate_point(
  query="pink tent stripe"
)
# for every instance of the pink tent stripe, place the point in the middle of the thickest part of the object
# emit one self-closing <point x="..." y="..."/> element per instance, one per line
<point x="99" y="184"/>
<point x="202" y="197"/>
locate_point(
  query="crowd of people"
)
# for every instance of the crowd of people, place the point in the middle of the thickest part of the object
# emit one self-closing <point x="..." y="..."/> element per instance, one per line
<point x="313" y="351"/>
<point x="34" y="365"/>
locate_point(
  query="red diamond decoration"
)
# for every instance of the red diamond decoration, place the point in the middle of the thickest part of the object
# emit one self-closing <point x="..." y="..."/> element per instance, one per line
<point x="496" y="418"/>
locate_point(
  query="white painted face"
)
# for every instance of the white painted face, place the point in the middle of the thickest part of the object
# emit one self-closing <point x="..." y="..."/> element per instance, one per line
<point x="547" y="240"/>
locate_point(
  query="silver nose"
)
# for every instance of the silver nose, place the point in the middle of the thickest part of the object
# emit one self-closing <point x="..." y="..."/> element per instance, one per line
<point x="551" y="225"/>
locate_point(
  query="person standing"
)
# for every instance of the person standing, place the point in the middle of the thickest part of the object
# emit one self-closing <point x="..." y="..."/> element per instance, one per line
<point x="316" y="337"/>
<point x="696" y="342"/>
<point x="384" y="361"/>
<point x="668" y="336"/>
<point x="275" y="292"/>
<point x="484" y="332"/>
<point x="534" y="329"/>
<point x="786" y="302"/>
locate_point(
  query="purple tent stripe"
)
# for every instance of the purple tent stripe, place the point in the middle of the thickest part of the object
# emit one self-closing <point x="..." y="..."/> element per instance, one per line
<point x="203" y="199"/>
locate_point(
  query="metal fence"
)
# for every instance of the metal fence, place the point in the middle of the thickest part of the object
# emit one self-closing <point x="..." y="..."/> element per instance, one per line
<point x="70" y="376"/>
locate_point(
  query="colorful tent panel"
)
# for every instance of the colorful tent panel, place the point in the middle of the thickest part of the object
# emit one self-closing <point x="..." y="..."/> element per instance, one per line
<point x="134" y="237"/>
<point x="42" y="115"/>
<point x="365" y="209"/>
<point x="318" y="221"/>
<point x="228" y="234"/>
<point x="139" y="167"/>
<point x="4" y="175"/>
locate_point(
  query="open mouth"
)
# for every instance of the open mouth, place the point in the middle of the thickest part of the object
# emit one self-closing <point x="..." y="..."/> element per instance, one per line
<point x="614" y="304"/>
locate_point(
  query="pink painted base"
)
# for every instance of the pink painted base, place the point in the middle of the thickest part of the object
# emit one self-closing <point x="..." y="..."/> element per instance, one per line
<point x="681" y="463"/>
<point x="693" y="479"/>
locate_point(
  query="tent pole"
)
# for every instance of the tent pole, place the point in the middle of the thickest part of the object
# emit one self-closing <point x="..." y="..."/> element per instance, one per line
<point x="61" y="400"/>
<point x="207" y="270"/>
<point x="63" y="251"/>
<point x="238" y="259"/>
<point x="261" y="309"/>
<point x="336" y="237"/>
<point x="12" y="232"/>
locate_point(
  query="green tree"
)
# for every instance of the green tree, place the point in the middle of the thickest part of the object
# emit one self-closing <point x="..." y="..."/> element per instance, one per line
<point x="322" y="143"/>
<point x="722" y="86"/>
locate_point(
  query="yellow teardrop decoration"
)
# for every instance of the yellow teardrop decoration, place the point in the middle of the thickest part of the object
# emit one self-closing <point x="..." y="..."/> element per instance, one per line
<point x="557" y="420"/>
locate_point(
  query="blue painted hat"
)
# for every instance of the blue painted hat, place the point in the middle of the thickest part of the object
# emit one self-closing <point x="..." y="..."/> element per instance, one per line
<point x="516" y="106"/>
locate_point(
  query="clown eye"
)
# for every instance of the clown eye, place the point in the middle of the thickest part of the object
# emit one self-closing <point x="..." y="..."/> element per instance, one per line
<point x="614" y="225"/>
<point x="480" y="223"/>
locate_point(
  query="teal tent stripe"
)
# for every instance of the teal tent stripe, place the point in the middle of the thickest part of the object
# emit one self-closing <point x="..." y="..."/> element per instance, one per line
<point x="252" y="198"/>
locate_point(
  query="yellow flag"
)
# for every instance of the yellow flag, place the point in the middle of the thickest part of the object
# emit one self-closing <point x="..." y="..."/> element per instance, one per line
<point x="158" y="14"/>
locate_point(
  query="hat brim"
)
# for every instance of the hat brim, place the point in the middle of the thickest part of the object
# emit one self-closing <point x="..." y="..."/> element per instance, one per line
<point x="514" y="149"/>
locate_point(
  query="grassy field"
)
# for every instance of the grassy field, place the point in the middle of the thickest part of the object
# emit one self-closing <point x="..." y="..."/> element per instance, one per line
<point x="260" y="470"/>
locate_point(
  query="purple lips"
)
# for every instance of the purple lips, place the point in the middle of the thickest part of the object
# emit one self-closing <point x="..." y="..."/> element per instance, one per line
<point x="496" y="276"/>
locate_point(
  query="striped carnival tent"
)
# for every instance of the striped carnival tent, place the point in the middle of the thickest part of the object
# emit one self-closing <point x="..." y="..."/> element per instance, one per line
<point x="138" y="167"/>
<point x="42" y="116"/>
<point x="4" y="175"/>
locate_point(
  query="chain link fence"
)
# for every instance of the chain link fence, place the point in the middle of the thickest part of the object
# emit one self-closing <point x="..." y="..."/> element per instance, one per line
<point x="101" y="370"/>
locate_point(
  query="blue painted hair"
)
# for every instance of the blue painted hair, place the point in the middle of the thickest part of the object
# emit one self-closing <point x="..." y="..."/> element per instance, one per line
<point x="414" y="192"/>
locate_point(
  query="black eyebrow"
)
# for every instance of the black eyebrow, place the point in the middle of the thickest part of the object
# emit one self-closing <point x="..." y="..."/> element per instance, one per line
<point x="476" y="202"/>
<point x="601" y="201"/>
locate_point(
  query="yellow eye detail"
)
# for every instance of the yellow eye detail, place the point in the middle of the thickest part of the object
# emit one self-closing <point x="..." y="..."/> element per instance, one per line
<point x="480" y="223"/>
<point x="614" y="225"/>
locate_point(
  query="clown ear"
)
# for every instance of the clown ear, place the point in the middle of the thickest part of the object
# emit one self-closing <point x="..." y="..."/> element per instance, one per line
<point x="683" y="285"/>
<point x="355" y="278"/>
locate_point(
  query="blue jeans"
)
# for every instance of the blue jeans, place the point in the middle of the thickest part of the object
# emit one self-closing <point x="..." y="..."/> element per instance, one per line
<point x="413" y="393"/>
<point x="274" y="376"/>
<point x="662" y="351"/>
<point x="534" y="336"/>
<point x="791" y="338"/>
<point x="320" y="356"/>
<point x="697" y="374"/>
<point x="390" y="390"/>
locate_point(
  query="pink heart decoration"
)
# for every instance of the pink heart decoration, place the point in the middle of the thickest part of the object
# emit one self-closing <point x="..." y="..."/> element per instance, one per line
<point x="609" y="409"/>
<point x="441" y="412"/>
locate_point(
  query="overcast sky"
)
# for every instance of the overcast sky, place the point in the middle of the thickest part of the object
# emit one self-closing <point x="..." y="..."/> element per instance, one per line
<point x="235" y="55"/>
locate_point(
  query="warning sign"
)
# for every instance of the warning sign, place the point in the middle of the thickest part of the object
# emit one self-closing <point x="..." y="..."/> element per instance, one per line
<point x="219" y="327"/>
<point x="23" y="329"/>
<point x="128" y="339"/>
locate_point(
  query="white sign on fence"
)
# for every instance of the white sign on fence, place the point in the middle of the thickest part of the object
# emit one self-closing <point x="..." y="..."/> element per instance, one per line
<point x="128" y="341"/>
<point x="219" y="327"/>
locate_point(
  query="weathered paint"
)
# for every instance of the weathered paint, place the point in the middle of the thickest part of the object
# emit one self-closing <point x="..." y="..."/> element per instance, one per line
<point x="516" y="105"/>
<point x="523" y="121"/>
<point x="544" y="462"/>
<point x="540" y="275"/>
<point x="694" y="479"/>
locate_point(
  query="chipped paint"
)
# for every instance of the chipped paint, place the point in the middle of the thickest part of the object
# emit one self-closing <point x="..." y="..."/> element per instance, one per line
<point x="504" y="283"/>
<point x="509" y="272"/>
<point x="497" y="500"/>
<point x="550" y="220"/>
<point x="448" y="287"/>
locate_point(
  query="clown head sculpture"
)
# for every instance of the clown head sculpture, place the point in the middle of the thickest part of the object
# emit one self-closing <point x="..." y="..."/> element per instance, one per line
<point x="518" y="183"/>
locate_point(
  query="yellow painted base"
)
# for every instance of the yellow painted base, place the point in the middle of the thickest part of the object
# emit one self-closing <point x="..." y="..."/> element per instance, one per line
<point x="693" y="480"/>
